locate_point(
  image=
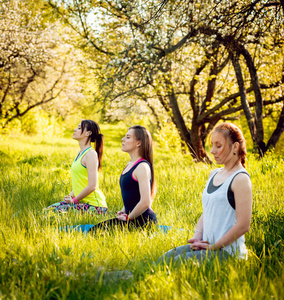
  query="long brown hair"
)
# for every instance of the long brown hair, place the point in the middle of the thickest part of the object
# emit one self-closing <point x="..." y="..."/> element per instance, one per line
<point x="95" y="137"/>
<point x="233" y="134"/>
<point x="146" y="150"/>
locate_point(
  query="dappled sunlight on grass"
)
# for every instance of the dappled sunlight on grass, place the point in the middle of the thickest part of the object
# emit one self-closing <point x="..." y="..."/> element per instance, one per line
<point x="39" y="260"/>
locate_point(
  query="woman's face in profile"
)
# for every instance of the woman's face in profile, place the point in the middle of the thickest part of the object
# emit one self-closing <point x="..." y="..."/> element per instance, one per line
<point x="129" y="141"/>
<point x="78" y="133"/>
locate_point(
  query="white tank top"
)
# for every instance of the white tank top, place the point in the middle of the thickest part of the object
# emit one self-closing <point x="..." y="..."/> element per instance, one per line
<point x="219" y="216"/>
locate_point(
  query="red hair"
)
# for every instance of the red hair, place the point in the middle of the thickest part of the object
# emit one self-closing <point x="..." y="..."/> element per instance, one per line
<point x="233" y="134"/>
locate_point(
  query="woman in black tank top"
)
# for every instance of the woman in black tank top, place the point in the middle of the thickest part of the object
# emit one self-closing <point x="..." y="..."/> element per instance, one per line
<point x="137" y="182"/>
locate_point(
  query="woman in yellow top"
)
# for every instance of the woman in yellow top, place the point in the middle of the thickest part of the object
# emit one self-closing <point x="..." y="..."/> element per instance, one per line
<point x="85" y="194"/>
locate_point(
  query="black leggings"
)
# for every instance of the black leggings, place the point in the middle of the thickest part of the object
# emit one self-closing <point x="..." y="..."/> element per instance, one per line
<point x="111" y="224"/>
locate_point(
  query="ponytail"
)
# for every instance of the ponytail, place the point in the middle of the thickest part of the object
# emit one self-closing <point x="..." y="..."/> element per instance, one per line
<point x="95" y="137"/>
<point x="99" y="148"/>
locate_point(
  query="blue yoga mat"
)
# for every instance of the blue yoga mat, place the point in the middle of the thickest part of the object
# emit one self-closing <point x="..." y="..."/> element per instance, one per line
<point x="85" y="228"/>
<point x="79" y="228"/>
<point x="164" y="228"/>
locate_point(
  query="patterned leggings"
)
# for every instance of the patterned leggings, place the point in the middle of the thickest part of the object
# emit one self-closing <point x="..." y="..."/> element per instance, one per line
<point x="63" y="207"/>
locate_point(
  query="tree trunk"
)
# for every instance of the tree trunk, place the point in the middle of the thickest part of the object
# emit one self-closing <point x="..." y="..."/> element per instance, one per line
<point x="258" y="102"/>
<point x="282" y="4"/>
<point x="242" y="90"/>
<point x="180" y="124"/>
<point x="191" y="138"/>
<point x="198" y="143"/>
<point x="277" y="132"/>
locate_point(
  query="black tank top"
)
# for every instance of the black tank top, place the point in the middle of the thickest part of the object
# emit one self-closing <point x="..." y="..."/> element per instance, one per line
<point x="131" y="194"/>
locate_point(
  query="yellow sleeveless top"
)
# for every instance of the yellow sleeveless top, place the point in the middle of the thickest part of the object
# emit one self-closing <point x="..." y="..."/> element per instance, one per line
<point x="79" y="175"/>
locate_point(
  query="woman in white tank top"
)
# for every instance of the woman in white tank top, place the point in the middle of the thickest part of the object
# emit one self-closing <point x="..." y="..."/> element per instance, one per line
<point x="226" y="200"/>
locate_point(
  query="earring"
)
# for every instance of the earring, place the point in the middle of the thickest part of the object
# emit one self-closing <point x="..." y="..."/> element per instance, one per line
<point x="234" y="153"/>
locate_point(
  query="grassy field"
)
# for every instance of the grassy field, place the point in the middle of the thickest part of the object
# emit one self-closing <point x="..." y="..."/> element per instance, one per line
<point x="38" y="261"/>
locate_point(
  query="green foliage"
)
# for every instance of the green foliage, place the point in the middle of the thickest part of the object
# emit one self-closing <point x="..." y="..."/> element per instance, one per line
<point x="184" y="61"/>
<point x="39" y="261"/>
<point x="168" y="137"/>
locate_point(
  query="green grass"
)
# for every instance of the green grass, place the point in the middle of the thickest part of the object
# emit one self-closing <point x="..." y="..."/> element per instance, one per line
<point x="38" y="261"/>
